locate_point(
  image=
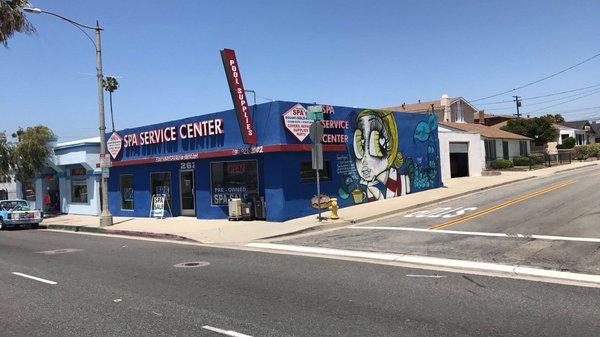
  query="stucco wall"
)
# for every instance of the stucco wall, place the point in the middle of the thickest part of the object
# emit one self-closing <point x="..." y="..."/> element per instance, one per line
<point x="475" y="148"/>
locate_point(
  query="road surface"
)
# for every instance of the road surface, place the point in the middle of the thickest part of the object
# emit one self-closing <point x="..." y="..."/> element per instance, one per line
<point x="90" y="285"/>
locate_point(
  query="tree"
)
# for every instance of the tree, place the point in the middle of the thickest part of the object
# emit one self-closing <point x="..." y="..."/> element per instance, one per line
<point x="111" y="84"/>
<point x="5" y="157"/>
<point x="13" y="20"/>
<point x="557" y="118"/>
<point x="540" y="129"/>
<point x="31" y="152"/>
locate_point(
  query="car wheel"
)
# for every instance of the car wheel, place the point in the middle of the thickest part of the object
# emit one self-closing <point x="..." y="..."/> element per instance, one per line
<point x="35" y="225"/>
<point x="1" y="223"/>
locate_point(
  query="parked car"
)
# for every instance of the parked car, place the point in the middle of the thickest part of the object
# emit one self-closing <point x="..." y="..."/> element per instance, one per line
<point x="16" y="212"/>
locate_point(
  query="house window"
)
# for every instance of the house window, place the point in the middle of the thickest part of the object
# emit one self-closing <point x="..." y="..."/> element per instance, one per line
<point x="580" y="140"/>
<point x="233" y="179"/>
<point x="28" y="189"/>
<point x="523" y="148"/>
<point x="490" y="149"/>
<point x="3" y="194"/>
<point x="307" y="173"/>
<point x="126" y="181"/>
<point x="160" y="183"/>
<point x="79" y="191"/>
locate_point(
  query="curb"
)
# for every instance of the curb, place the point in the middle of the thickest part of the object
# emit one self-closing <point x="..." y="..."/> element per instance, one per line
<point x="575" y="168"/>
<point x="86" y="229"/>
<point x="452" y="265"/>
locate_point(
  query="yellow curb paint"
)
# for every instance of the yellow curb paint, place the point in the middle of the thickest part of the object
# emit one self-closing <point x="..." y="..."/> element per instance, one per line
<point x="505" y="204"/>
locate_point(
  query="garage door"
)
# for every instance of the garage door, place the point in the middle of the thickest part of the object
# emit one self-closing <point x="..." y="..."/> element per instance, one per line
<point x="459" y="159"/>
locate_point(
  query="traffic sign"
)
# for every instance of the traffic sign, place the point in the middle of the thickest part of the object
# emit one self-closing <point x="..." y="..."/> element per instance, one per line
<point x="316" y="132"/>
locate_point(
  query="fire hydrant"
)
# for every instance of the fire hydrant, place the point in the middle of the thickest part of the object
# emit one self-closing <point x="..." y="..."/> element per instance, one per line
<point x="334" y="209"/>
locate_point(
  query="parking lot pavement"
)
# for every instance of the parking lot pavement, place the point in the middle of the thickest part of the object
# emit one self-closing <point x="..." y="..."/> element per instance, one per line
<point x="547" y="223"/>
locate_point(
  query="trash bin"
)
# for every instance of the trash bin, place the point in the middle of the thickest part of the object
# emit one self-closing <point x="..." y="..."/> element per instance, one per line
<point x="260" y="212"/>
<point x="247" y="211"/>
<point x="235" y="209"/>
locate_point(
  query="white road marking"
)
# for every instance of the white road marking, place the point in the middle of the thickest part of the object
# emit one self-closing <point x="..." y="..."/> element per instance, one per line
<point x="426" y="276"/>
<point x="225" y="332"/>
<point x="460" y="265"/>
<point x="444" y="212"/>
<point x="501" y="235"/>
<point x="59" y="251"/>
<point x="35" y="278"/>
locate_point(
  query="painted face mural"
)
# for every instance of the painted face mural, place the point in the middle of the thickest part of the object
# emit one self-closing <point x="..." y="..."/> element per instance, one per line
<point x="377" y="158"/>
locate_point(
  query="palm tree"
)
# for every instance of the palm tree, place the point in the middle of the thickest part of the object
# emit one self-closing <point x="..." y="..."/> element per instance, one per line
<point x="110" y="85"/>
<point x="12" y="19"/>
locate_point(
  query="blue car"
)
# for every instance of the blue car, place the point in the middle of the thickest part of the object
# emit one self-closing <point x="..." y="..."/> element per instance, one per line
<point x="16" y="212"/>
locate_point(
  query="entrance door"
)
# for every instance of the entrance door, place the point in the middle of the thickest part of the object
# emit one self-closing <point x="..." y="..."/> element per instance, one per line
<point x="459" y="160"/>
<point x="186" y="181"/>
<point x="505" y="150"/>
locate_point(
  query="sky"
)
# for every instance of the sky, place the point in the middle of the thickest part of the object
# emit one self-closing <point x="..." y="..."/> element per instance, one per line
<point x="352" y="53"/>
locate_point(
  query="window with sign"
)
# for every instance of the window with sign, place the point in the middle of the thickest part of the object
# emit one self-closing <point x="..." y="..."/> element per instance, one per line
<point x="307" y="173"/>
<point x="126" y="182"/>
<point x="78" y="171"/>
<point x="161" y="183"/>
<point x="233" y="179"/>
<point x="79" y="193"/>
<point x="28" y="189"/>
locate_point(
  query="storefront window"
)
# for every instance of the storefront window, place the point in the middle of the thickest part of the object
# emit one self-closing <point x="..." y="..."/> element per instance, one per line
<point x="28" y="189"/>
<point x="161" y="183"/>
<point x="126" y="181"/>
<point x="79" y="191"/>
<point x="233" y="179"/>
<point x="307" y="173"/>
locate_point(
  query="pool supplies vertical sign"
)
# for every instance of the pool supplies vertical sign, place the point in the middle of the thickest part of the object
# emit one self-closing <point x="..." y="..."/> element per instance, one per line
<point x="232" y="71"/>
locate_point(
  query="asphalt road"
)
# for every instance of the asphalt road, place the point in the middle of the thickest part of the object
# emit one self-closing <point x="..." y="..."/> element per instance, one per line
<point x="110" y="286"/>
<point x="565" y="205"/>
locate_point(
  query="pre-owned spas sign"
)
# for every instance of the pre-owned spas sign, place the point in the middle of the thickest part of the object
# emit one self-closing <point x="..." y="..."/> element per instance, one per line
<point x="232" y="71"/>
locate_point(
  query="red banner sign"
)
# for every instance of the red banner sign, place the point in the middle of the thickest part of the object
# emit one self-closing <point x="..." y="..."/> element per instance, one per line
<point x="238" y="95"/>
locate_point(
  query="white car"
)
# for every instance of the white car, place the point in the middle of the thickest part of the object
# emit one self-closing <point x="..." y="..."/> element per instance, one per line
<point x="16" y="212"/>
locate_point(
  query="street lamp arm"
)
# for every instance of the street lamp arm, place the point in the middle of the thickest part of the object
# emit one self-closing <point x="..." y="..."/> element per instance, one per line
<point x="71" y="21"/>
<point x="77" y="25"/>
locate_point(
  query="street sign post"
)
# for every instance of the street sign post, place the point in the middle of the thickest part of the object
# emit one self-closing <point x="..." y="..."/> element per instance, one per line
<point x="314" y="112"/>
<point x="316" y="135"/>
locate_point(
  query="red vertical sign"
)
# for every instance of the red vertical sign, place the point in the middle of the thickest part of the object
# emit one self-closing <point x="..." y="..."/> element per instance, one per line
<point x="232" y="70"/>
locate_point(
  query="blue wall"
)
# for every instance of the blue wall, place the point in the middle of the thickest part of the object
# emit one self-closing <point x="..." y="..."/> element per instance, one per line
<point x="409" y="154"/>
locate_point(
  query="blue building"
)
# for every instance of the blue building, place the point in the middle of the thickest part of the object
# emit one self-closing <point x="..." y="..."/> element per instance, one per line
<point x="200" y="162"/>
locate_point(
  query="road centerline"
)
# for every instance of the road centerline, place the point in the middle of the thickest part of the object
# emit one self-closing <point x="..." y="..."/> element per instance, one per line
<point x="35" y="278"/>
<point x="504" y="204"/>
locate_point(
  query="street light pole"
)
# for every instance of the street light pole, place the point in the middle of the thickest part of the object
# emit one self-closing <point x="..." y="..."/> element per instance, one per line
<point x="106" y="218"/>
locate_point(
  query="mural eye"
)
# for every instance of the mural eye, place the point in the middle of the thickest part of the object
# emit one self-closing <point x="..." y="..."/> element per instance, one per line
<point x="359" y="144"/>
<point x="375" y="149"/>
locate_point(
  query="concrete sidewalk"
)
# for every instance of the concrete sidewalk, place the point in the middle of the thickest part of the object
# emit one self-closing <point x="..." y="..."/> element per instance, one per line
<point x="238" y="232"/>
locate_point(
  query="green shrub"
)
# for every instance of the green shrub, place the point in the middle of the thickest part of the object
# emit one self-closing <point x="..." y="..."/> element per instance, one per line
<point x="501" y="164"/>
<point x="537" y="158"/>
<point x="567" y="143"/>
<point x="521" y="161"/>
<point x="584" y="152"/>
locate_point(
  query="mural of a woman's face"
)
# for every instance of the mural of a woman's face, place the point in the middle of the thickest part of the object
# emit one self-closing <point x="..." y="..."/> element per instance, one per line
<point x="371" y="147"/>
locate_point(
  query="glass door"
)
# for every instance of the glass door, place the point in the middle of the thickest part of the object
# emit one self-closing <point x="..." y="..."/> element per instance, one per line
<point x="187" y="193"/>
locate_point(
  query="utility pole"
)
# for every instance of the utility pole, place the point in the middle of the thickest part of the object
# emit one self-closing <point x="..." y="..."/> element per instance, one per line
<point x="518" y="103"/>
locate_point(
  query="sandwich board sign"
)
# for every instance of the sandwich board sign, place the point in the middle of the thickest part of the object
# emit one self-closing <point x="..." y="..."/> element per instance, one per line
<point x="158" y="206"/>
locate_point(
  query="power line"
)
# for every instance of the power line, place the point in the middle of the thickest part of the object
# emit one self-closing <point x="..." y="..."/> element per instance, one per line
<point x="565" y="97"/>
<point x="571" y="100"/>
<point x="540" y="80"/>
<point x="546" y="95"/>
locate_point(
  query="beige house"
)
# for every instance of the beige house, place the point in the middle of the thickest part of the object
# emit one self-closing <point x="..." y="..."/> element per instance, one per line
<point x="447" y="109"/>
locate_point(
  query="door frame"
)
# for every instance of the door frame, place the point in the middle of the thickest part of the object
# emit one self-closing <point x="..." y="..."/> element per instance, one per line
<point x="187" y="212"/>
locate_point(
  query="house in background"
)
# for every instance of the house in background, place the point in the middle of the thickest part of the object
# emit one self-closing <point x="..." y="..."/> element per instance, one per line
<point x="447" y="109"/>
<point x="495" y="142"/>
<point x="596" y="128"/>
<point x="589" y="135"/>
<point x="492" y="120"/>
<point x="565" y="132"/>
